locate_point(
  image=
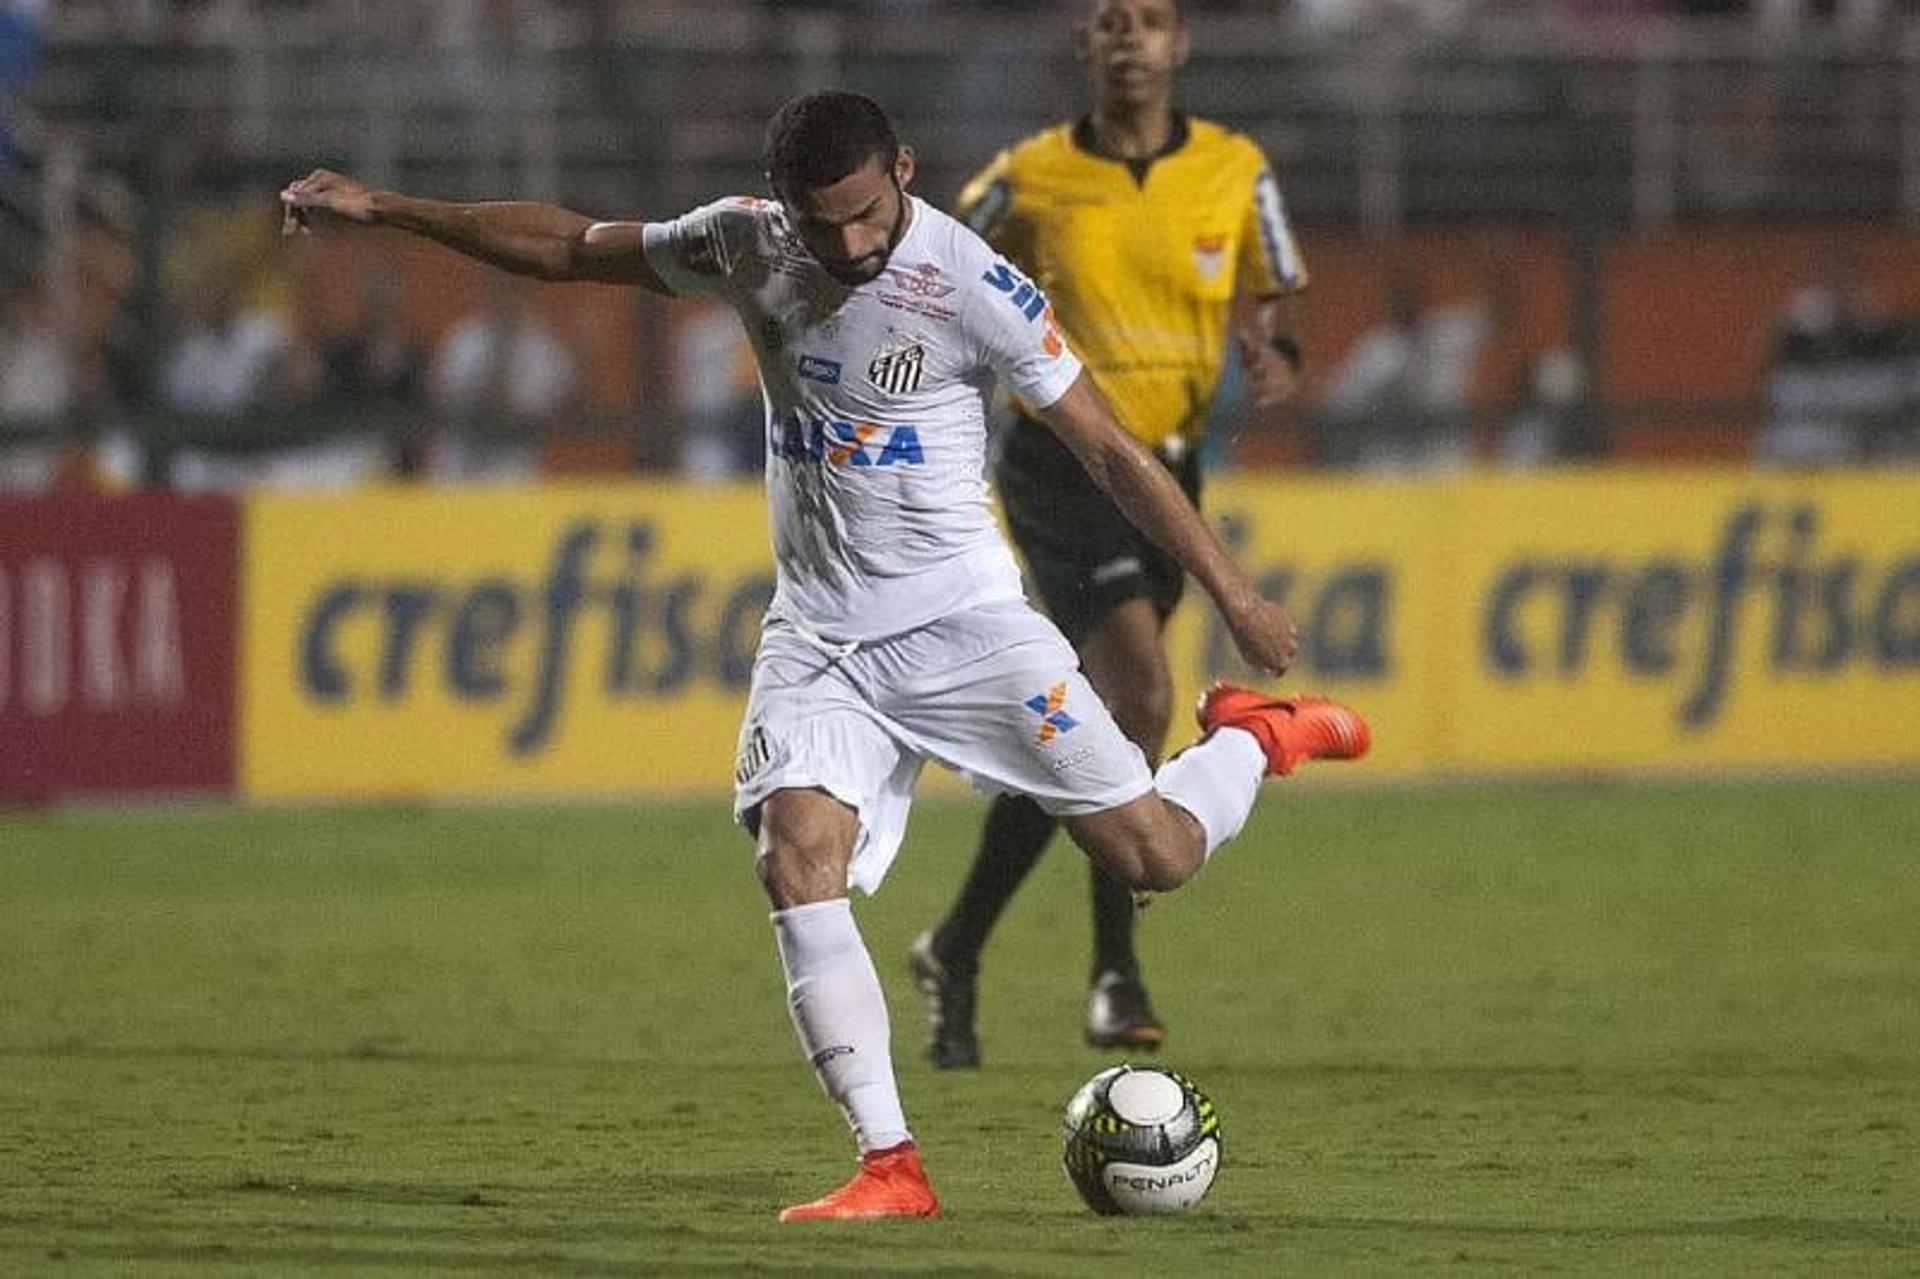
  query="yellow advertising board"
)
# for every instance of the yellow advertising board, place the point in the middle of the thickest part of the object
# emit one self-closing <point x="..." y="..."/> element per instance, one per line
<point x="512" y="642"/>
<point x="599" y="639"/>
<point x="1714" y="619"/>
<point x="1609" y="620"/>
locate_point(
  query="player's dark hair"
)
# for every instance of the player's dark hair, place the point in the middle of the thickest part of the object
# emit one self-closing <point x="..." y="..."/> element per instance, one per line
<point x="819" y="138"/>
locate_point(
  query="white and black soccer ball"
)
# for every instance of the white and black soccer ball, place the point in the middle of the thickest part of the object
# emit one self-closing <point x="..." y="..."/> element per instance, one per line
<point x="1141" y="1139"/>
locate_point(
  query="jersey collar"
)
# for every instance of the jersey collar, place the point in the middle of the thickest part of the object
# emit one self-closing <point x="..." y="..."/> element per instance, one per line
<point x="1085" y="138"/>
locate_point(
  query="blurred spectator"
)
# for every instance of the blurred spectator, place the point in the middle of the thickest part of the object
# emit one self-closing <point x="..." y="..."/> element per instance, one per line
<point x="375" y="372"/>
<point x="1403" y="398"/>
<point x="502" y="381"/>
<point x="717" y="395"/>
<point x="37" y="388"/>
<point x="1552" y="420"/>
<point x="1840" y="382"/>
<point x="229" y="358"/>
<point x="236" y="377"/>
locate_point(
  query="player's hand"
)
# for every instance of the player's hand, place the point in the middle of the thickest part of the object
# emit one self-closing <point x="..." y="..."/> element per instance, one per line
<point x="1264" y="633"/>
<point x="324" y="191"/>
<point x="1271" y="377"/>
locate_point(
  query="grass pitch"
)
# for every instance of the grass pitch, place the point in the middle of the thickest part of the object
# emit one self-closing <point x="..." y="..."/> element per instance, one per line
<point x="1509" y="1030"/>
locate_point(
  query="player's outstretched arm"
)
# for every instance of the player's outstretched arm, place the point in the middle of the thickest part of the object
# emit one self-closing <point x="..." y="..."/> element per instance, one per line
<point x="1149" y="496"/>
<point x="541" y="240"/>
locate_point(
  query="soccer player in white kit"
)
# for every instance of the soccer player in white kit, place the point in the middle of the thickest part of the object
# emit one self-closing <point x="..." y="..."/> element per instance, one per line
<point x="898" y="632"/>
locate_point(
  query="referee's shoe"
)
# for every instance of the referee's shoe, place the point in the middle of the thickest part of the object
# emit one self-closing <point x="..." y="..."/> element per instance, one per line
<point x="1119" y="1015"/>
<point x="952" y="1043"/>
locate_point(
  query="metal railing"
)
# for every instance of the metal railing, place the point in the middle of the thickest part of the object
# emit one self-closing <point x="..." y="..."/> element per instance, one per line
<point x="1658" y="121"/>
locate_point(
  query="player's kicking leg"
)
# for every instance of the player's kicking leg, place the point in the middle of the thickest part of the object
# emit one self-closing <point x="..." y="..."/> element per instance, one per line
<point x="1202" y="796"/>
<point x="806" y="841"/>
<point x="1120" y="648"/>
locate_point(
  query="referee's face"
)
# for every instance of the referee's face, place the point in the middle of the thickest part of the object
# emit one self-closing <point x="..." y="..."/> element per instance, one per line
<point x="1133" y="47"/>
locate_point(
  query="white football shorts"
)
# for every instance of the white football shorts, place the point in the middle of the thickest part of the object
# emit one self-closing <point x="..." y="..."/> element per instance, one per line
<point x="993" y="692"/>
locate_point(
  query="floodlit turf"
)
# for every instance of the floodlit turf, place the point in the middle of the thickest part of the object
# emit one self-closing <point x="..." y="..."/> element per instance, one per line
<point x="1510" y="1030"/>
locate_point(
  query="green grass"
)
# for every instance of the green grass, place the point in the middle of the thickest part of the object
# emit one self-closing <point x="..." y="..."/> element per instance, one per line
<point x="1495" y="1030"/>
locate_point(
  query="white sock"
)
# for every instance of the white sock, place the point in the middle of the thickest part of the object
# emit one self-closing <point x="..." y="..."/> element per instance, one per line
<point x="841" y="1017"/>
<point x="1217" y="781"/>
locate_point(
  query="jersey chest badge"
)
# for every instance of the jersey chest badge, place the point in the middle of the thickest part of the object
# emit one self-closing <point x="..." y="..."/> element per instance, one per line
<point x="897" y="365"/>
<point x="1209" y="256"/>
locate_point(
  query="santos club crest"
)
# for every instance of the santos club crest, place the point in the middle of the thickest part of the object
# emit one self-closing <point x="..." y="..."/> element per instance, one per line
<point x="896" y="365"/>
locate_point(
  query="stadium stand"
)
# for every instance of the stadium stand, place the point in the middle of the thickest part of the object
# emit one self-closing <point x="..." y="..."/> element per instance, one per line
<point x="1622" y="160"/>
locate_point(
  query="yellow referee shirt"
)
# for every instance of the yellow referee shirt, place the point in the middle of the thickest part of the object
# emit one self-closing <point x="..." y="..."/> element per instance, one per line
<point x="1141" y="259"/>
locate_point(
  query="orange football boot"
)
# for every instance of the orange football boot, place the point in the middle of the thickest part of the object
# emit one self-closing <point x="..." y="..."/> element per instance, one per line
<point x="1291" y="730"/>
<point x="890" y="1183"/>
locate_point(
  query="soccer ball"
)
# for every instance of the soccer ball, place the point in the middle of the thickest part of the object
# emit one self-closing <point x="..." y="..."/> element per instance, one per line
<point x="1140" y="1139"/>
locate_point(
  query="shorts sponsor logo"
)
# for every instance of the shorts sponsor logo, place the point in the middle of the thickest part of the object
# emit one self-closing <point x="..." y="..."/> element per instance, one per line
<point x="818" y="369"/>
<point x="1054" y="720"/>
<point x="826" y="1055"/>
<point x="1113" y="570"/>
<point x="1071" y="760"/>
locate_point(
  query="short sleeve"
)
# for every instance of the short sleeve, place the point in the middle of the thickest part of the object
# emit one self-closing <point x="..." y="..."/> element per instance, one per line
<point x="696" y="252"/>
<point x="1020" y="336"/>
<point x="1270" y="260"/>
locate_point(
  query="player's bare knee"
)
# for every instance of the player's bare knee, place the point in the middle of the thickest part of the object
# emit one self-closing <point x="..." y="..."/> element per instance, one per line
<point x="1145" y="855"/>
<point x="1166" y="868"/>
<point x="805" y="843"/>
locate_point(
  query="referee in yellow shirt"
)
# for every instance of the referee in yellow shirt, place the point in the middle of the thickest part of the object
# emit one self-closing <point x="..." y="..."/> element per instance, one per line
<point x="1156" y="236"/>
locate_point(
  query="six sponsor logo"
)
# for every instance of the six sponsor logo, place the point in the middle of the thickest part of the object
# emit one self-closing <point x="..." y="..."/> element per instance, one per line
<point x="1017" y="288"/>
<point x="1029" y="301"/>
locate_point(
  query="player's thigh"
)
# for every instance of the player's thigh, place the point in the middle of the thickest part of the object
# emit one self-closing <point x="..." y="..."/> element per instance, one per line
<point x="809" y="730"/>
<point x="997" y="693"/>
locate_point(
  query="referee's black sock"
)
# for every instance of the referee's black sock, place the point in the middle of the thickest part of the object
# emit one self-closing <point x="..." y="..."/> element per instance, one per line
<point x="1015" y="835"/>
<point x="1113" y="912"/>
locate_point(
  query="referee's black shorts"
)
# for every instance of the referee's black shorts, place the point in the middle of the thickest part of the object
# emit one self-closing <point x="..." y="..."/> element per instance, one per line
<point x="1083" y="556"/>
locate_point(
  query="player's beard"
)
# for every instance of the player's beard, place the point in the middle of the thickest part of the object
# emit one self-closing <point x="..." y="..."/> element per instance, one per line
<point x="862" y="270"/>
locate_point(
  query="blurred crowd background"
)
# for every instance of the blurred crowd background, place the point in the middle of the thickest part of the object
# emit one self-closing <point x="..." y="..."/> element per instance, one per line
<point x="1542" y="233"/>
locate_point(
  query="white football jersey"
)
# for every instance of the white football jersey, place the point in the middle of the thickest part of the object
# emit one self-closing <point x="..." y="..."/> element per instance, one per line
<point x="876" y="400"/>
